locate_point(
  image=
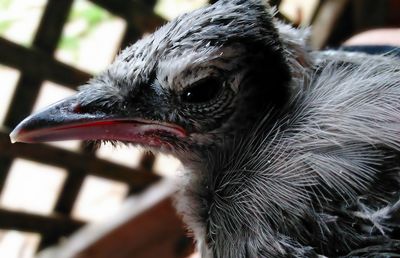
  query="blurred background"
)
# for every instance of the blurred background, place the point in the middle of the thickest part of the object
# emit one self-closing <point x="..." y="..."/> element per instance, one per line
<point x="116" y="201"/>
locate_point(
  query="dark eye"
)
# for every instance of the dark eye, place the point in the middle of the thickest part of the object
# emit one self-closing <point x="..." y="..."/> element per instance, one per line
<point x="202" y="91"/>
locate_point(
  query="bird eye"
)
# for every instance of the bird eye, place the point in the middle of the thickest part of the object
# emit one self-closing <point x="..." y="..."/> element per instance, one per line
<point x="202" y="91"/>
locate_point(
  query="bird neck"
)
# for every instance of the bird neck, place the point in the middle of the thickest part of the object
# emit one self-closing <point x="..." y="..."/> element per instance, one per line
<point x="215" y="177"/>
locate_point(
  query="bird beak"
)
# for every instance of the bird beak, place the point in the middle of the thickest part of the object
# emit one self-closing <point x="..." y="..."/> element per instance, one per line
<point x="66" y="121"/>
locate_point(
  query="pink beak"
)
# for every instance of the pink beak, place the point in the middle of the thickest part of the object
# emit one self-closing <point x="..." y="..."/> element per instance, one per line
<point x="65" y="121"/>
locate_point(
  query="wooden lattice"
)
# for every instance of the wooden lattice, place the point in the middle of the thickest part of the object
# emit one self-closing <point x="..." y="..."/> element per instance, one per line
<point x="38" y="64"/>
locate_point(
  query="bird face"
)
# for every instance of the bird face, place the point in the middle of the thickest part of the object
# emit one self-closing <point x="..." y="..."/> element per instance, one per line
<point x="196" y="81"/>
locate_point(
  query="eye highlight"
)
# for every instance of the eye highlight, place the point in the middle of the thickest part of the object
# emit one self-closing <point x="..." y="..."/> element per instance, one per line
<point x="202" y="91"/>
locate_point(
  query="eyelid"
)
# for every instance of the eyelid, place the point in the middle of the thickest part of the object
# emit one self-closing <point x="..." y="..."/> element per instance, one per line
<point x="194" y="75"/>
<point x="201" y="90"/>
<point x="198" y="80"/>
<point x="208" y="78"/>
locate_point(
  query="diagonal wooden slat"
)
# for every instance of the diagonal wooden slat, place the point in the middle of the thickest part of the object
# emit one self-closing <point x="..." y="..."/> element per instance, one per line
<point x="51" y="25"/>
<point x="26" y="96"/>
<point x="46" y="40"/>
<point x="75" y="162"/>
<point x="14" y="220"/>
<point x="37" y="63"/>
<point x="149" y="3"/>
<point x="131" y="36"/>
<point x="157" y="232"/>
<point x="69" y="192"/>
<point x="134" y="12"/>
<point x="147" y="227"/>
<point x="44" y="43"/>
<point x="5" y="164"/>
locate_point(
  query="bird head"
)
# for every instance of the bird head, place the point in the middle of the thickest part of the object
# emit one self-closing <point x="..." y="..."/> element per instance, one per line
<point x="198" y="81"/>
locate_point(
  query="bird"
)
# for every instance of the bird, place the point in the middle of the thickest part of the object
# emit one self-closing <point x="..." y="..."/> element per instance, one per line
<point x="286" y="151"/>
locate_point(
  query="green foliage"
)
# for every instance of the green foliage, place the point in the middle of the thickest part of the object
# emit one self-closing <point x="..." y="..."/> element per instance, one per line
<point x="70" y="43"/>
<point x="5" y="25"/>
<point x="92" y="16"/>
<point x="4" y="4"/>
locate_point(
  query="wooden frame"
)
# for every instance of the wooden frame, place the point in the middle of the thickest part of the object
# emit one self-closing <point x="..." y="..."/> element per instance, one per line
<point x="37" y="64"/>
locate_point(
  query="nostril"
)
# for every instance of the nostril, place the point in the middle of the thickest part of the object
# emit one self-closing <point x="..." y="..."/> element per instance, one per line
<point x="84" y="109"/>
<point x="77" y="108"/>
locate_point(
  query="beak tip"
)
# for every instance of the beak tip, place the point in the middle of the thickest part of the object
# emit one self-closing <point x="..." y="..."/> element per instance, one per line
<point x="17" y="135"/>
<point x="14" y="136"/>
